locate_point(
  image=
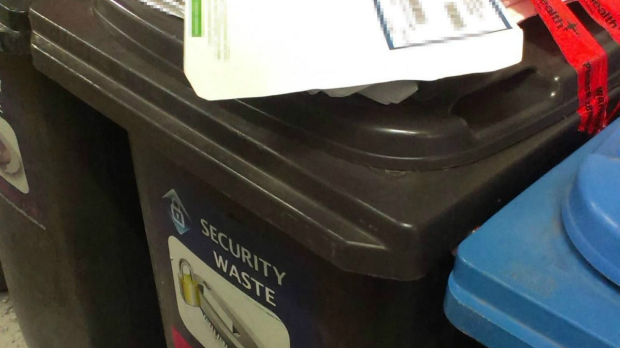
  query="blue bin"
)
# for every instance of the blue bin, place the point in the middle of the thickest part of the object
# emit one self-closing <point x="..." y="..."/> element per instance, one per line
<point x="543" y="272"/>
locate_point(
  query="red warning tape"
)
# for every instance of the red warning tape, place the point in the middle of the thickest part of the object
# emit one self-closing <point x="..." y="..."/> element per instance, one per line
<point x="606" y="13"/>
<point x="585" y="55"/>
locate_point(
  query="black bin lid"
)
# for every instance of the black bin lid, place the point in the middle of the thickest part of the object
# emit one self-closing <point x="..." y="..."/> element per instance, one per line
<point x="362" y="219"/>
<point x="14" y="26"/>
<point x="447" y="123"/>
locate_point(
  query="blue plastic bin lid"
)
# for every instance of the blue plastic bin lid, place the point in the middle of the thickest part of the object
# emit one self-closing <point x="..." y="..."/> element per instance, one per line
<point x="520" y="282"/>
<point x="592" y="210"/>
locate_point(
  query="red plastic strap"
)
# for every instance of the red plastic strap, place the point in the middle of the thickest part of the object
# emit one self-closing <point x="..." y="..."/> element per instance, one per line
<point x="606" y="13"/>
<point x="585" y="55"/>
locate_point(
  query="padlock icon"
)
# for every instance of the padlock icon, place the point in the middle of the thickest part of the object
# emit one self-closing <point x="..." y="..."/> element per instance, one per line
<point x="188" y="286"/>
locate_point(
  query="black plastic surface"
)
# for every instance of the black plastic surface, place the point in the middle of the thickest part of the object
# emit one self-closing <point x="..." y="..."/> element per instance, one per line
<point x="14" y="27"/>
<point x="17" y="6"/>
<point x="447" y="123"/>
<point x="14" y="14"/>
<point x="390" y="224"/>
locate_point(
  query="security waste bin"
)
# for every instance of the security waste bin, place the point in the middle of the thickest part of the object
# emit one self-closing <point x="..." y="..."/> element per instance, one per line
<point x="532" y="276"/>
<point x="72" y="240"/>
<point x="307" y="221"/>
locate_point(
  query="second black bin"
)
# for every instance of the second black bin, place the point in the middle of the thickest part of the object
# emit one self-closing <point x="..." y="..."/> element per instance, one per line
<point x="72" y="238"/>
<point x="304" y="221"/>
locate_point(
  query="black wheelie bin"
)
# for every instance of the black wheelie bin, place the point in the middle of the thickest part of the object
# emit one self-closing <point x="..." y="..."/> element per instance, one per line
<point x="307" y="221"/>
<point x="72" y="239"/>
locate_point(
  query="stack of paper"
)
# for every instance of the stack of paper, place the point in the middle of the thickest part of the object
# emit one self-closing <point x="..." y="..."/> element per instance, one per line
<point x="240" y="49"/>
<point x="391" y="36"/>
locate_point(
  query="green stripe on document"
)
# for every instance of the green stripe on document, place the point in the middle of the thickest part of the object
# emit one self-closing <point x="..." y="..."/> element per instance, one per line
<point x="196" y="18"/>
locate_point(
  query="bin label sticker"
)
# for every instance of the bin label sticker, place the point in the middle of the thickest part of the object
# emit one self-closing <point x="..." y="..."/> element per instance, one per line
<point x="16" y="187"/>
<point x="11" y="164"/>
<point x="227" y="285"/>
<point x="214" y="310"/>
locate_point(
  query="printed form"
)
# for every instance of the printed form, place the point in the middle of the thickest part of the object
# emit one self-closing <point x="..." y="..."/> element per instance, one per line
<point x="241" y="49"/>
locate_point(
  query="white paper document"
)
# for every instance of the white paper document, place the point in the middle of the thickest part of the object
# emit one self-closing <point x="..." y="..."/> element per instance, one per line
<point x="241" y="48"/>
<point x="520" y="10"/>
